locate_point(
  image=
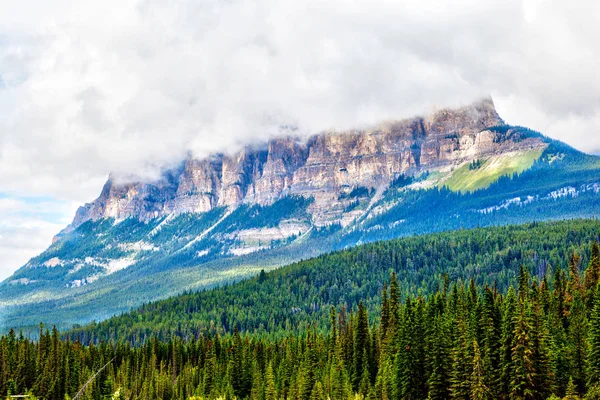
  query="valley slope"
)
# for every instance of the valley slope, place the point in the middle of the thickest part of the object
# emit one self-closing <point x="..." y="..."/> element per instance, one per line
<point x="221" y="219"/>
<point x="291" y="299"/>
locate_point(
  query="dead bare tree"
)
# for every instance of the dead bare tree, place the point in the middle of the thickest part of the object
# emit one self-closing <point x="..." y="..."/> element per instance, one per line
<point x="85" y="386"/>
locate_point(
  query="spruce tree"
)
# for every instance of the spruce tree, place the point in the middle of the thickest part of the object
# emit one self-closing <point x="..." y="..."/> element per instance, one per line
<point x="571" y="391"/>
<point x="340" y="387"/>
<point x="236" y="369"/>
<point x="270" y="388"/>
<point x="522" y="385"/>
<point x="578" y="346"/>
<point x="258" y="388"/>
<point x="394" y="301"/>
<point x="592" y="274"/>
<point x="333" y="330"/>
<point x="439" y="378"/>
<point x="593" y="370"/>
<point x="384" y="384"/>
<point x="508" y="329"/>
<point x="308" y="376"/>
<point x="523" y="282"/>
<point x="491" y="351"/>
<point x="210" y="370"/>
<point x="462" y="367"/>
<point x="544" y="376"/>
<point x="385" y="313"/>
<point x="317" y="392"/>
<point x="410" y="376"/>
<point x="479" y="390"/>
<point x="361" y="345"/>
<point x="574" y="286"/>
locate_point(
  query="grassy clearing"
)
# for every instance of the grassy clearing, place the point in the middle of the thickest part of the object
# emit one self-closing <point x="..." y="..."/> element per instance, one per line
<point x="465" y="179"/>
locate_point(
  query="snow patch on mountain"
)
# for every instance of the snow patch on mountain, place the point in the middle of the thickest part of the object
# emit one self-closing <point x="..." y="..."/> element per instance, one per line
<point x="564" y="192"/>
<point x="517" y="201"/>
<point x="53" y="262"/>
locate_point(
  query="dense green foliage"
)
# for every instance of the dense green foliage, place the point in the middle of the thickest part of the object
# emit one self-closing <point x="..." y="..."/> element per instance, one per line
<point x="538" y="341"/>
<point x="299" y="295"/>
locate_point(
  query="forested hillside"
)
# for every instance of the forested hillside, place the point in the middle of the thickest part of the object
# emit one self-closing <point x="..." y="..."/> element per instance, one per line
<point x="540" y="340"/>
<point x="300" y="295"/>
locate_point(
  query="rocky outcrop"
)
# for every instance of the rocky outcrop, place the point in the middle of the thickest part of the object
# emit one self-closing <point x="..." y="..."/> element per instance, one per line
<point x="322" y="166"/>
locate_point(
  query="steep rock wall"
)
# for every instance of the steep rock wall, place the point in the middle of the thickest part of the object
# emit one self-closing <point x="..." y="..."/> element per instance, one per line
<point x="322" y="166"/>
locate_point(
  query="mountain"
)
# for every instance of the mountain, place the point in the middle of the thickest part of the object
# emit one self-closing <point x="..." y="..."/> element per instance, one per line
<point x="226" y="217"/>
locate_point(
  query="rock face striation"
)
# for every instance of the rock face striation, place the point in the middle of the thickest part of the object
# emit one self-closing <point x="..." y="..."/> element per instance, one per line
<point x="323" y="166"/>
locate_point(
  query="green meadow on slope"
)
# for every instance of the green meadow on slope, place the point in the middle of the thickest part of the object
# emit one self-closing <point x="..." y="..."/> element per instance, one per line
<point x="466" y="178"/>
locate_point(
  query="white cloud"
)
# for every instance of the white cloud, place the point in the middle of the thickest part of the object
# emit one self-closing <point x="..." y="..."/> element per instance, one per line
<point x="93" y="86"/>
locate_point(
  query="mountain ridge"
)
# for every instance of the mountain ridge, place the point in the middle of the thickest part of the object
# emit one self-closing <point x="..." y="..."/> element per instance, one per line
<point x="120" y="253"/>
<point x="323" y="166"/>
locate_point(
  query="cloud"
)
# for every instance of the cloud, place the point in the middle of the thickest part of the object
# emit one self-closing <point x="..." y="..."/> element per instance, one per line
<point x="131" y="85"/>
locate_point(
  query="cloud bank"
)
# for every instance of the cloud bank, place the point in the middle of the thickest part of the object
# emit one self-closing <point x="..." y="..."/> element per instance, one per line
<point x="130" y="85"/>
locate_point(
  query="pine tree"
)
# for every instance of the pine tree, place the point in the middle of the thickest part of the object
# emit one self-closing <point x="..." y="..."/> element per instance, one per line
<point x="462" y="367"/>
<point x="3" y="371"/>
<point x="491" y="350"/>
<point x="578" y="336"/>
<point x="571" y="391"/>
<point x="236" y="369"/>
<point x="544" y="376"/>
<point x="361" y="345"/>
<point x="340" y="387"/>
<point x="439" y="378"/>
<point x="593" y="375"/>
<point x="479" y="390"/>
<point x="258" y="388"/>
<point x="574" y="286"/>
<point x="308" y="376"/>
<point x="508" y="329"/>
<point x="317" y="392"/>
<point x="270" y="389"/>
<point x="333" y="330"/>
<point x="394" y="302"/>
<point x="522" y="385"/>
<point x="407" y="382"/>
<point x="208" y="375"/>
<point x="384" y="384"/>
<point x="558" y="325"/>
<point x="42" y="377"/>
<point x="523" y="282"/>
<point x="364" y="387"/>
<point x="385" y="313"/>
<point x="592" y="274"/>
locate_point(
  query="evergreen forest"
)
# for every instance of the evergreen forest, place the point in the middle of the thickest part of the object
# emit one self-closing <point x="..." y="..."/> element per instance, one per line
<point x="534" y="334"/>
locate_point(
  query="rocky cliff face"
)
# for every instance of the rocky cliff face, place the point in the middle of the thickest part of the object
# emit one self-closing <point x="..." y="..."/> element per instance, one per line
<point x="322" y="166"/>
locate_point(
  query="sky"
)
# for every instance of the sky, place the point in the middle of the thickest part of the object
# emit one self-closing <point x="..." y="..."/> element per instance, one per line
<point x="89" y="87"/>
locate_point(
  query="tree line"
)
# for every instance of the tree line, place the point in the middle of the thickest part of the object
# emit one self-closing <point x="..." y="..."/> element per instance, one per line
<point x="295" y="297"/>
<point x="538" y="340"/>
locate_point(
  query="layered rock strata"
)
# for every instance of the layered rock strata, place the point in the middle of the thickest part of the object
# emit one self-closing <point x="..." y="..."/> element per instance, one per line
<point x="322" y="166"/>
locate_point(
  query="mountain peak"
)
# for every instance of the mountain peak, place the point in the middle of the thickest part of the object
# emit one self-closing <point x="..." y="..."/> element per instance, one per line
<point x="323" y="167"/>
